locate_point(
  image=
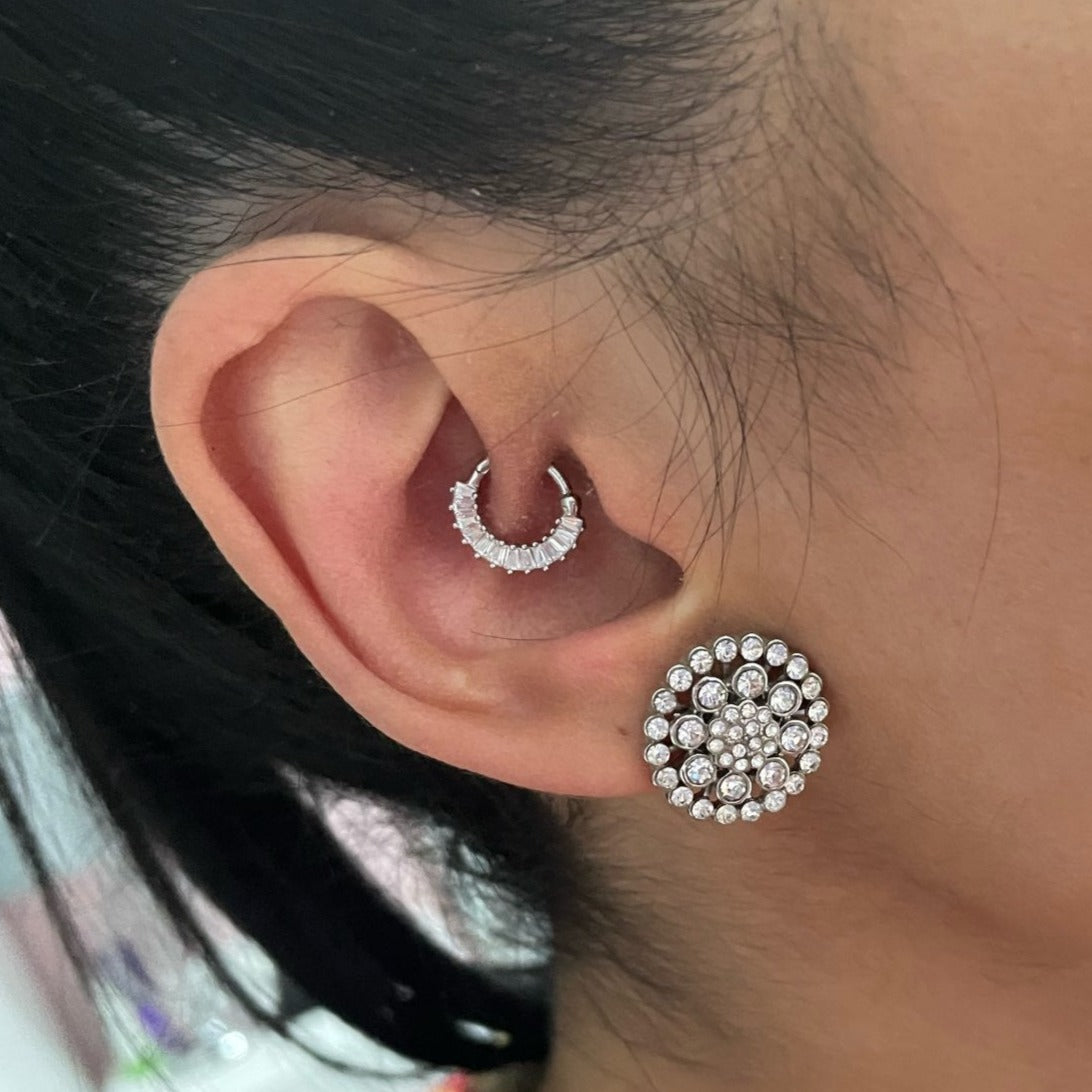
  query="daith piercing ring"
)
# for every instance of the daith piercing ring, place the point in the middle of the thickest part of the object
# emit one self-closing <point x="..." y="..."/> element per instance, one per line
<point x="523" y="558"/>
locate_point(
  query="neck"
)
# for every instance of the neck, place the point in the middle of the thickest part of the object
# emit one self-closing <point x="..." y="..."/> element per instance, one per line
<point x="772" y="956"/>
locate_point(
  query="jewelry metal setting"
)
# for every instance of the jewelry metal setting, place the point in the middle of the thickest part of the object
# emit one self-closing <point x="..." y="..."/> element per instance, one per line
<point x="737" y="730"/>
<point x="515" y="558"/>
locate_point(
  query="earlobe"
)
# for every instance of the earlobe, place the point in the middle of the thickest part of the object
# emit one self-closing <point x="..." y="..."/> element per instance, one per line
<point x="311" y="426"/>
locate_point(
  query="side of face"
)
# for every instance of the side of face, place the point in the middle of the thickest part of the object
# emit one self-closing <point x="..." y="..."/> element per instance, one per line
<point x="914" y="515"/>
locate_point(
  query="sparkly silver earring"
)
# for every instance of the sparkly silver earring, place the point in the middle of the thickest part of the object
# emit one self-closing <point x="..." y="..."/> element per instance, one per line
<point x="514" y="558"/>
<point x="737" y="730"/>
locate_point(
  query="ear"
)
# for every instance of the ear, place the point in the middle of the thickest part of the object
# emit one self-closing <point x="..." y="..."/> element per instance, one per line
<point x="316" y="398"/>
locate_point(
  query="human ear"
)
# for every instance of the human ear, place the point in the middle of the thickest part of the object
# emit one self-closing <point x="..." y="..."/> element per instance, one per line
<point x="316" y="397"/>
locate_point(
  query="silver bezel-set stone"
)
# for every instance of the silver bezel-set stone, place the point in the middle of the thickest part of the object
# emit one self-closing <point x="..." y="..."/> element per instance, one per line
<point x="797" y="666"/>
<point x="657" y="754"/>
<point x="819" y="736"/>
<point x="698" y="771"/>
<point x="664" y="701"/>
<point x="734" y="788"/>
<point x="810" y="686"/>
<point x="752" y="646"/>
<point x="688" y="732"/>
<point x="680" y="678"/>
<point x="701" y="660"/>
<point x="773" y="774"/>
<point x="666" y="777"/>
<point x="709" y="693"/>
<point x="777" y="652"/>
<point x="657" y="728"/>
<point x="818" y="710"/>
<point x="725" y="649"/>
<point x="751" y="811"/>
<point x="682" y="796"/>
<point x="810" y="762"/>
<point x="749" y="681"/>
<point x="726" y="814"/>
<point x="702" y="809"/>
<point x="795" y="737"/>
<point x="784" y="698"/>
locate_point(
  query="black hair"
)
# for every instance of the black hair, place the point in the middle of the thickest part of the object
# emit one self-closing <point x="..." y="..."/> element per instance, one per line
<point x="136" y="138"/>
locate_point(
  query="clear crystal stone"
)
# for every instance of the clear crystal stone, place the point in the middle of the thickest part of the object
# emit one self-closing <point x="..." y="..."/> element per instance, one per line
<point x="818" y="709"/>
<point x="734" y="787"/>
<point x="752" y="728"/>
<point x="735" y="732"/>
<point x="773" y="774"/>
<point x="809" y="762"/>
<point x="819" y="736"/>
<point x="552" y="550"/>
<point x="795" y="737"/>
<point x="749" y="681"/>
<point x="752" y="647"/>
<point x="795" y="784"/>
<point x="797" y="667"/>
<point x="784" y="698"/>
<point x="751" y="811"/>
<point x="698" y="771"/>
<point x="811" y="686"/>
<point x="769" y="747"/>
<point x="727" y="814"/>
<point x="702" y="809"/>
<point x="771" y="730"/>
<point x="680" y="678"/>
<point x="742" y="765"/>
<point x="666" y="777"/>
<point x="710" y="693"/>
<point x="718" y="729"/>
<point x="656" y="754"/>
<point x="774" y="801"/>
<point x="730" y="713"/>
<point x="688" y="732"/>
<point x="764" y="714"/>
<point x="725" y="759"/>
<point x="758" y="761"/>
<point x="701" y="660"/>
<point x="754" y="743"/>
<point x="739" y="750"/>
<point x="681" y="797"/>
<point x="657" y="728"/>
<point x="725" y="649"/>
<point x="663" y="701"/>
<point x="716" y="746"/>
<point x="748" y="710"/>
<point x="777" y="652"/>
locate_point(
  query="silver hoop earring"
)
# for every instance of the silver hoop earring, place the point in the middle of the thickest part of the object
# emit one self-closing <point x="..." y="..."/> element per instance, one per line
<point x="514" y="558"/>
<point x="737" y="730"/>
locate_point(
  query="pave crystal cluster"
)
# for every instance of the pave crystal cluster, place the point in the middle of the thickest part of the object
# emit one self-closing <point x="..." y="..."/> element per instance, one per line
<point x="737" y="729"/>
<point x="514" y="557"/>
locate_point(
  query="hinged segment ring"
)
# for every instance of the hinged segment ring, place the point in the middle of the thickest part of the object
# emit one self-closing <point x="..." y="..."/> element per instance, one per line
<point x="524" y="557"/>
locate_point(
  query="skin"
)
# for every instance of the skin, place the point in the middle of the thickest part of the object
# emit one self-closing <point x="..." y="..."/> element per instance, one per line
<point x="919" y="917"/>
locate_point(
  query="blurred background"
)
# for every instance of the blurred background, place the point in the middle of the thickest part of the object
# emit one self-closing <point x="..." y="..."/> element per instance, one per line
<point x="156" y="1011"/>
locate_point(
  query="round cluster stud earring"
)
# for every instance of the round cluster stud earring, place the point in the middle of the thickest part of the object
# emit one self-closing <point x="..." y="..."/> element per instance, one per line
<point x="524" y="557"/>
<point x="737" y="730"/>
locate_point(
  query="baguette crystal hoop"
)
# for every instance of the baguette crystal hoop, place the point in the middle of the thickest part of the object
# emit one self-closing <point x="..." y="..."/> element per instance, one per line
<point x="513" y="557"/>
<point x="737" y="729"/>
